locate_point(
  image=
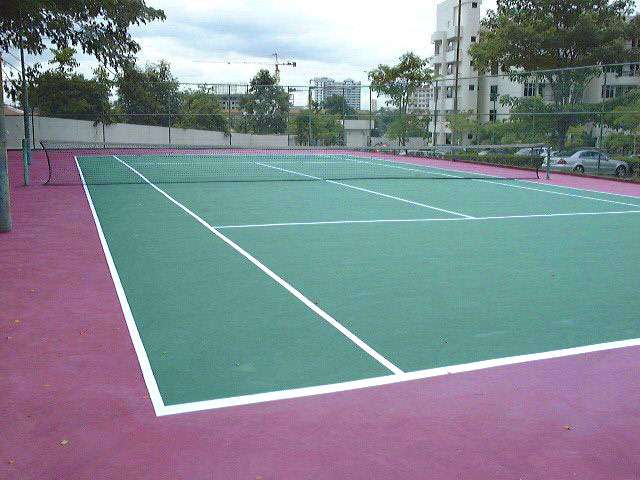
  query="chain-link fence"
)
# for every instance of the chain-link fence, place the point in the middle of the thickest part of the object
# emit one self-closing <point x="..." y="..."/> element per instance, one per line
<point x="494" y="109"/>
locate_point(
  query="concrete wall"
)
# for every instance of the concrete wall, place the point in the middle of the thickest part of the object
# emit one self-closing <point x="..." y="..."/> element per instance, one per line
<point x="68" y="130"/>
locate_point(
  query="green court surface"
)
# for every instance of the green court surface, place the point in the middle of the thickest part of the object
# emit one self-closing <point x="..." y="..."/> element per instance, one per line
<point x="244" y="288"/>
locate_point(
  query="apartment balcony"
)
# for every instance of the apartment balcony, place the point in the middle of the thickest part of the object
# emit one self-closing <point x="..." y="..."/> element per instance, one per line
<point x="438" y="35"/>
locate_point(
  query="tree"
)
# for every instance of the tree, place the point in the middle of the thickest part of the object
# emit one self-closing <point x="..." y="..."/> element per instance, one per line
<point x="201" y="109"/>
<point x="326" y="128"/>
<point x="60" y="92"/>
<point x="338" y="105"/>
<point x="399" y="81"/>
<point x="99" y="27"/>
<point x="383" y="119"/>
<point x="266" y="107"/>
<point x="409" y="125"/>
<point x="462" y="123"/>
<point x="533" y="39"/>
<point x="147" y="96"/>
<point x="535" y="120"/>
<point x="624" y="116"/>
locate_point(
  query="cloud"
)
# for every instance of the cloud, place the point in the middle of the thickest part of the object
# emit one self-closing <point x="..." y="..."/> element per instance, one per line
<point x="329" y="38"/>
<point x="334" y="38"/>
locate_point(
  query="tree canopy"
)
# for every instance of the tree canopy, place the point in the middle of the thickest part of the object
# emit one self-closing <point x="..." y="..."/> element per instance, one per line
<point x="201" y="109"/>
<point x="337" y="104"/>
<point x="534" y="35"/>
<point x="150" y="93"/>
<point x="98" y="27"/>
<point x="399" y="81"/>
<point x="326" y="128"/>
<point x="265" y="108"/>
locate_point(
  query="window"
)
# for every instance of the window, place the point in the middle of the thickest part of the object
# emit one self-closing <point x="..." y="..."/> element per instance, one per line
<point x="635" y="69"/>
<point x="451" y="45"/>
<point x="449" y="92"/>
<point x="436" y="69"/>
<point x="474" y="4"/>
<point x="529" y="89"/>
<point x="635" y="42"/>
<point x="450" y="68"/>
<point x="608" y="91"/>
<point x="447" y="138"/>
<point x="473" y="39"/>
<point x="472" y="88"/>
<point x="541" y="89"/>
<point x="438" y="46"/>
<point x="494" y="69"/>
<point x="493" y="115"/>
<point x="493" y="94"/>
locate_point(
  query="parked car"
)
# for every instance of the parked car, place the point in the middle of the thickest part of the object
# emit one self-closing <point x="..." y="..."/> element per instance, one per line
<point x="587" y="160"/>
<point x="528" y="152"/>
<point x="495" y="151"/>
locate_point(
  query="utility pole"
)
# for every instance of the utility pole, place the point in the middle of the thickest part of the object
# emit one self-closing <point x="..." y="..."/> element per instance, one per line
<point x="5" y="197"/>
<point x="457" y="65"/>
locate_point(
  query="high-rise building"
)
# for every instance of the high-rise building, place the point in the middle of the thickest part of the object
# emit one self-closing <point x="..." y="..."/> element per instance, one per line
<point x="324" y="87"/>
<point x="479" y="93"/>
<point x="419" y="100"/>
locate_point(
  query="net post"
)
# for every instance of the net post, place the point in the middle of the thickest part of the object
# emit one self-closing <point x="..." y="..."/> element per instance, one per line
<point x="25" y="161"/>
<point x="548" y="173"/>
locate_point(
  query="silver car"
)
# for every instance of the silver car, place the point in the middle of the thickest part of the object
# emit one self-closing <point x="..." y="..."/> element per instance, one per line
<point x="587" y="160"/>
<point x="533" y="152"/>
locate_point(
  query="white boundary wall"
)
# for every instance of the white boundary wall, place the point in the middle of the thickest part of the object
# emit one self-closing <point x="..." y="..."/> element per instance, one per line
<point x="69" y="130"/>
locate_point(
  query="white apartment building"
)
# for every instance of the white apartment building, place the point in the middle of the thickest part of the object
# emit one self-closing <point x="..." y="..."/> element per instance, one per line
<point x="480" y="94"/>
<point x="419" y="100"/>
<point x="324" y="87"/>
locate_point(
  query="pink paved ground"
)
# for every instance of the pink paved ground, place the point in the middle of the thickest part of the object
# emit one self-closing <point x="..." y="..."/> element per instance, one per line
<point x="69" y="372"/>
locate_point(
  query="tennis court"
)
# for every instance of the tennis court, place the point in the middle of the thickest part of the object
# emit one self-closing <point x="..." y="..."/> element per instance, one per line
<point x="240" y="285"/>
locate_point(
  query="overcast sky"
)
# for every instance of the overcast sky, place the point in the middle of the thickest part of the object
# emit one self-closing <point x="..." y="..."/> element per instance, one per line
<point x="335" y="38"/>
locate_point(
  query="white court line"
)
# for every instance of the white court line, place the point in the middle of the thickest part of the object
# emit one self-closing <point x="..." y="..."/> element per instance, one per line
<point x="162" y="410"/>
<point x="141" y="353"/>
<point x="512" y="185"/>
<point x="283" y="283"/>
<point x="373" y="192"/>
<point x="393" y="379"/>
<point x="422" y="220"/>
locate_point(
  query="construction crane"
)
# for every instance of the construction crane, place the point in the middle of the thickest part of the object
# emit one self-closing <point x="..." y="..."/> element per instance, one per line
<point x="279" y="64"/>
<point x="276" y="62"/>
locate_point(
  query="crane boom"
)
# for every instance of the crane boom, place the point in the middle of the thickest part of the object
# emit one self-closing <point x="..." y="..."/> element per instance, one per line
<point x="276" y="62"/>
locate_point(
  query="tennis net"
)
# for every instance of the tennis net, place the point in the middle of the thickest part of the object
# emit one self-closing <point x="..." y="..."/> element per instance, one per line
<point x="127" y="163"/>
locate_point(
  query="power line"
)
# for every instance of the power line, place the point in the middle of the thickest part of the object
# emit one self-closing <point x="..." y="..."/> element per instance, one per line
<point x="11" y="65"/>
<point x="13" y="55"/>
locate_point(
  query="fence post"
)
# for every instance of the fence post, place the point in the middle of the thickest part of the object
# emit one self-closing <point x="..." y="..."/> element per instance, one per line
<point x="5" y="196"/>
<point x="229" y="112"/>
<point x="435" y="115"/>
<point x="344" y="120"/>
<point x="604" y="97"/>
<point x="33" y="131"/>
<point x="370" y="115"/>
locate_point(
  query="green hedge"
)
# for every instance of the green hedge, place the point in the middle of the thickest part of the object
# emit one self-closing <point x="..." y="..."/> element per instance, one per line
<point x="501" y="159"/>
